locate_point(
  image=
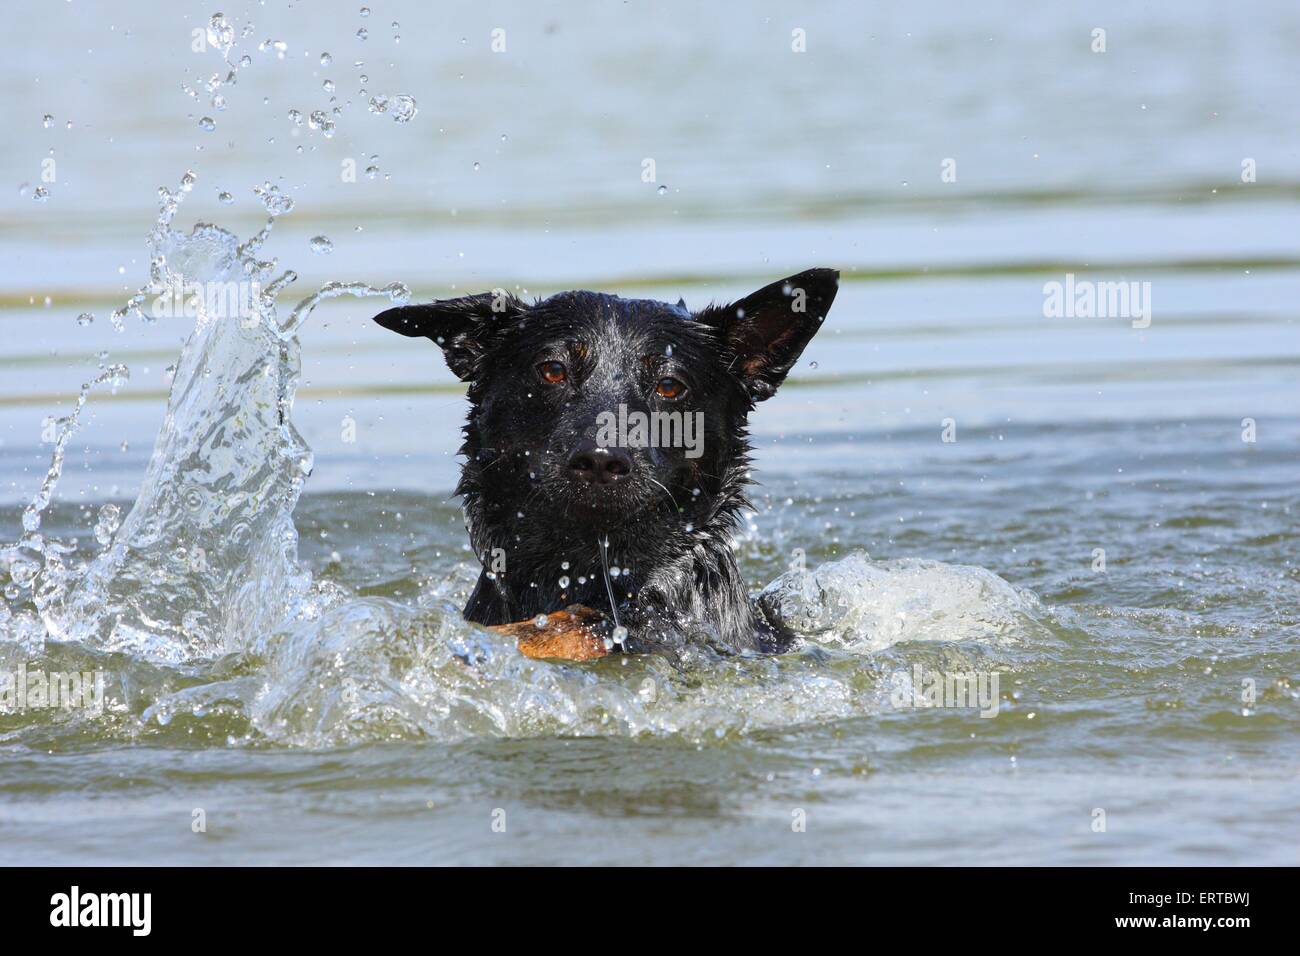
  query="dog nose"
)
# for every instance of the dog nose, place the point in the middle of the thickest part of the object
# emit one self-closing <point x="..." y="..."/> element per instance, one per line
<point x="600" y="466"/>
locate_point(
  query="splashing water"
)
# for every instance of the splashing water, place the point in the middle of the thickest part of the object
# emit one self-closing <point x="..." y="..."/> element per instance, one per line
<point x="201" y="579"/>
<point x="207" y="555"/>
<point x="866" y="605"/>
<point x="205" y="565"/>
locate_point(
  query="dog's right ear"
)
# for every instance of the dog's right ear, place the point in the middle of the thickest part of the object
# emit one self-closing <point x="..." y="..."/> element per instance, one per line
<point x="461" y="327"/>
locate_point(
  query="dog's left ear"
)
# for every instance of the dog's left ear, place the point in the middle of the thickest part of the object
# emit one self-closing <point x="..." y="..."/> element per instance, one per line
<point x="463" y="328"/>
<point x="768" y="329"/>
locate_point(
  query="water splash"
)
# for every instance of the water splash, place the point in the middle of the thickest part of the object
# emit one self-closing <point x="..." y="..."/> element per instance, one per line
<point x="204" y="569"/>
<point x="207" y="555"/>
<point x="32" y="563"/>
<point x="867" y="606"/>
<point x="201" y="576"/>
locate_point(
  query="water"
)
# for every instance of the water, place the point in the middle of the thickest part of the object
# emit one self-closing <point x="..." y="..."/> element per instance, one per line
<point x="251" y="533"/>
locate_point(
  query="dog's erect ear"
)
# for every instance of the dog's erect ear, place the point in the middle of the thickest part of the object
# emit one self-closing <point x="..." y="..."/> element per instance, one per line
<point x="461" y="327"/>
<point x="768" y="329"/>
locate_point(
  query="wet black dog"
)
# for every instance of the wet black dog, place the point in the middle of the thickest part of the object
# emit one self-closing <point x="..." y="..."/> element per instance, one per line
<point x="606" y="450"/>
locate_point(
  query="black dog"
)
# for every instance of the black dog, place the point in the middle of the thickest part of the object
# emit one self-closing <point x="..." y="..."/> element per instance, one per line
<point x="566" y="501"/>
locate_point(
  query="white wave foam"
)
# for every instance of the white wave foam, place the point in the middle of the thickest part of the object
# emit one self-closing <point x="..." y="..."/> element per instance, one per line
<point x="864" y="605"/>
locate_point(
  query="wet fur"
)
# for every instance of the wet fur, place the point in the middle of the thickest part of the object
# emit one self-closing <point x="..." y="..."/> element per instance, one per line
<point x="522" y="506"/>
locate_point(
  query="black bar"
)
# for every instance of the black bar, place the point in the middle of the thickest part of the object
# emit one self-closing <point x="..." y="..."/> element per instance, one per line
<point x="233" y="904"/>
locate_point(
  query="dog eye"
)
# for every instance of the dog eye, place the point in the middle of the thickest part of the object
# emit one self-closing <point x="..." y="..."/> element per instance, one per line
<point x="553" y="372"/>
<point x="670" y="388"/>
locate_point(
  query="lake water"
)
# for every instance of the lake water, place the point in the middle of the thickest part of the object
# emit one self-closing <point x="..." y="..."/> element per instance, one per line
<point x="1132" y="485"/>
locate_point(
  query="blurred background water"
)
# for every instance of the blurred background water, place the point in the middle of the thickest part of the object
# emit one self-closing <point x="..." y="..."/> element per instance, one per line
<point x="523" y="168"/>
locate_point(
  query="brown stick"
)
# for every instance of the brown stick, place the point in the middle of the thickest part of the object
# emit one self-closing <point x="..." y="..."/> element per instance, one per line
<point x="572" y="635"/>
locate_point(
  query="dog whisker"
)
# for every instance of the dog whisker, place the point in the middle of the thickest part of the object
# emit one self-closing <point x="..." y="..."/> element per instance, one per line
<point x="667" y="492"/>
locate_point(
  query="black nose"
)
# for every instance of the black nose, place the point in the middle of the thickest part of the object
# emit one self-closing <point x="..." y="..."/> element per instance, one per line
<point x="600" y="466"/>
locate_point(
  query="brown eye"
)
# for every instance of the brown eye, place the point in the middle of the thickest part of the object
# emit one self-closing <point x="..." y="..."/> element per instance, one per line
<point x="670" y="388"/>
<point x="553" y="372"/>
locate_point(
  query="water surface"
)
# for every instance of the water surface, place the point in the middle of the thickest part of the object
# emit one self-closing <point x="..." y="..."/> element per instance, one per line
<point x="330" y="717"/>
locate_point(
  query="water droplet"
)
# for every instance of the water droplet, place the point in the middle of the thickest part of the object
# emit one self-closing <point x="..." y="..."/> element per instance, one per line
<point x="564" y="565"/>
<point x="326" y="59"/>
<point x="564" y="581"/>
<point x="207" y="124"/>
<point x="23" y="572"/>
<point x="401" y="108"/>
<point x="540" y="621"/>
<point x="85" y="318"/>
<point x="40" y="194"/>
<point x="225" y="198"/>
<point x="362" y="33"/>
<point x="220" y="33"/>
<point x="328" y="86"/>
<point x="321" y="121"/>
<point x="110" y="518"/>
<point x="663" y="190"/>
<point x="276" y="202"/>
<point x="295" y="117"/>
<point x="365" y="11"/>
<point x="321" y="245"/>
<point x="47" y="120"/>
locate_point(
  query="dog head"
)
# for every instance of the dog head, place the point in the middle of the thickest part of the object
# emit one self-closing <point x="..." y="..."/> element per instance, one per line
<point x="592" y="414"/>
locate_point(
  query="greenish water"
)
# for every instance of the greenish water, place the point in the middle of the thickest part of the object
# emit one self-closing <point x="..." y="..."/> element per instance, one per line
<point x="330" y="706"/>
